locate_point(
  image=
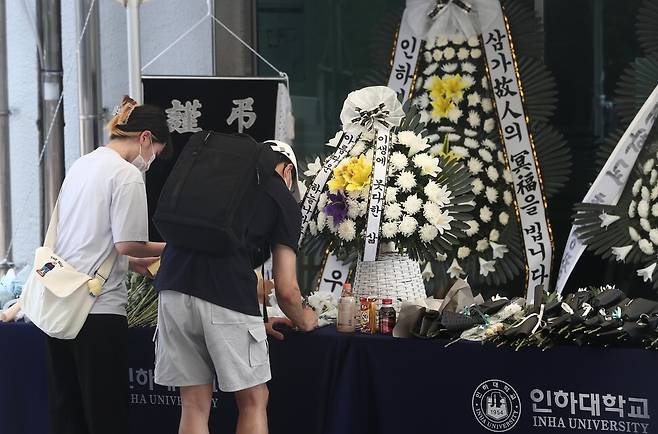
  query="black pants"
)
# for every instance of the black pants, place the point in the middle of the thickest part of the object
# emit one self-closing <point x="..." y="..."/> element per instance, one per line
<point x="89" y="378"/>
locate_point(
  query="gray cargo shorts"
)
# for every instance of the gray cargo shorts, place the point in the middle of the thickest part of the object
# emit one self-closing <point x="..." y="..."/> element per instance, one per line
<point x="196" y="340"/>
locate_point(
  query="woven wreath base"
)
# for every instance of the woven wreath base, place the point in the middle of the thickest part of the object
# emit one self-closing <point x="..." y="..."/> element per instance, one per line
<point x="392" y="276"/>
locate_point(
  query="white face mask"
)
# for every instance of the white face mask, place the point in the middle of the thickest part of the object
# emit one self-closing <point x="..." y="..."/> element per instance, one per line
<point x="142" y="164"/>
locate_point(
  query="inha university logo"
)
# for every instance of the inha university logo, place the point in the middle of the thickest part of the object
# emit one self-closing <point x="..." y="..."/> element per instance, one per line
<point x="496" y="406"/>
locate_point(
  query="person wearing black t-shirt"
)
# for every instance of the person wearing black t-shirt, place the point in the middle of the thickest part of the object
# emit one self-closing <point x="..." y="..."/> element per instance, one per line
<point x="209" y="318"/>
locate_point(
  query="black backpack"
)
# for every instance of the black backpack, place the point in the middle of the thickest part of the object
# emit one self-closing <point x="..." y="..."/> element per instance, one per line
<point x="207" y="198"/>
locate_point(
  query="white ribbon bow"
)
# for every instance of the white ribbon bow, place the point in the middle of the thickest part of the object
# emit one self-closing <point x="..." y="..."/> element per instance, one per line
<point x="370" y="108"/>
<point x="431" y="18"/>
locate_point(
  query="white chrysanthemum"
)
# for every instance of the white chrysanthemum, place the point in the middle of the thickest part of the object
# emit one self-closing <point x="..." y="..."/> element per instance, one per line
<point x="347" y="230"/>
<point x="482" y="245"/>
<point x="471" y="143"/>
<point x="427" y="164"/>
<point x="646" y="247"/>
<point x="440" y="219"/>
<point x="462" y="54"/>
<point x="474" y="166"/>
<point x="654" y="193"/>
<point x="463" y="252"/>
<point x="398" y="161"/>
<point x="412" y="205"/>
<point x="632" y="208"/>
<point x="487" y="105"/>
<point x="449" y="68"/>
<point x="473" y="229"/>
<point x="428" y="233"/>
<point x="492" y="194"/>
<point x="485" y="82"/>
<point x="330" y="224"/>
<point x="449" y="53"/>
<point x="494" y="235"/>
<point x="643" y="209"/>
<point x="485" y="155"/>
<point x="458" y="39"/>
<point x="454" y="114"/>
<point x="489" y="125"/>
<point x="633" y="234"/>
<point x="470" y="133"/>
<point x="468" y="67"/>
<point x="392" y="211"/>
<point x="313" y="227"/>
<point x="414" y="142"/>
<point x="474" y="119"/>
<point x="358" y="149"/>
<point x="478" y="186"/>
<point x="489" y="144"/>
<point x="468" y="81"/>
<point x="501" y="157"/>
<point x="473" y="41"/>
<point x="390" y="229"/>
<point x="459" y="151"/>
<point x="648" y="165"/>
<point x="428" y="56"/>
<point x="322" y="220"/>
<point x="437" y="55"/>
<point x="441" y="41"/>
<point x="645" y="193"/>
<point x="507" y="197"/>
<point x="653" y="236"/>
<point x="476" y="53"/>
<point x="422" y="101"/>
<point x="408" y="226"/>
<point x="485" y="214"/>
<point x="406" y="180"/>
<point x="654" y="210"/>
<point x="503" y="218"/>
<point x="644" y="224"/>
<point x="391" y="194"/>
<point x="492" y="173"/>
<point x="353" y="208"/>
<point x="473" y="99"/>
<point x="452" y="137"/>
<point x="637" y="185"/>
<point x="439" y="194"/>
<point x="507" y="176"/>
<point x="431" y="69"/>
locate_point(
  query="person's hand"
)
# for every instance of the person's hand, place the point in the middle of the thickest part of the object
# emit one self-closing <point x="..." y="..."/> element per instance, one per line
<point x="269" y="327"/>
<point x="309" y="320"/>
<point x="140" y="265"/>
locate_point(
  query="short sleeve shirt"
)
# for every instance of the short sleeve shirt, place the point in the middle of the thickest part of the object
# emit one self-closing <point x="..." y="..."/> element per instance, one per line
<point x="228" y="280"/>
<point x="102" y="202"/>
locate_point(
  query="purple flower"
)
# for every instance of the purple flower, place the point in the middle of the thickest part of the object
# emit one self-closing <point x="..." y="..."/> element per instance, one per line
<point x="336" y="207"/>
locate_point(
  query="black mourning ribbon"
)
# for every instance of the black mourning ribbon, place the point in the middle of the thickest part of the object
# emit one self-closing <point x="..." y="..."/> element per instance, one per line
<point x="367" y="118"/>
<point x="440" y="4"/>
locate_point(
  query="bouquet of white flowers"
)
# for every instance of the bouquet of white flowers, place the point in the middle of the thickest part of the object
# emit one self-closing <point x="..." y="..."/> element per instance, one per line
<point x="425" y="197"/>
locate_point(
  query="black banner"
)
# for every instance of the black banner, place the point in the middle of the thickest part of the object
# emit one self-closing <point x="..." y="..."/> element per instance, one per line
<point x="192" y="104"/>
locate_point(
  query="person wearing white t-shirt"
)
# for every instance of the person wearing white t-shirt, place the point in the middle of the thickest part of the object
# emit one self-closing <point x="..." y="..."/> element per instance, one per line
<point x="102" y="206"/>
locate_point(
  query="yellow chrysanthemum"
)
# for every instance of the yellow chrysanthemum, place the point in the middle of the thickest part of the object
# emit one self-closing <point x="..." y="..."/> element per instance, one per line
<point x="454" y="86"/>
<point x="351" y="176"/>
<point x="435" y="86"/>
<point x="441" y="107"/>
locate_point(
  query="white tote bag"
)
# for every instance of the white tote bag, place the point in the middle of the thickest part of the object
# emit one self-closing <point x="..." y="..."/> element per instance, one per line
<point x="56" y="297"/>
